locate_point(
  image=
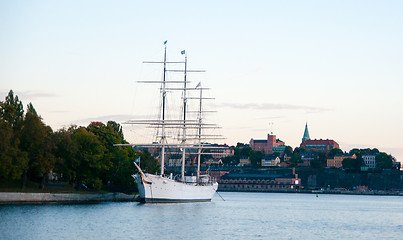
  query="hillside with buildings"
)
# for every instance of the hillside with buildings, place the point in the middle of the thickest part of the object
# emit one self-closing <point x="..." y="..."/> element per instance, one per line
<point x="270" y="165"/>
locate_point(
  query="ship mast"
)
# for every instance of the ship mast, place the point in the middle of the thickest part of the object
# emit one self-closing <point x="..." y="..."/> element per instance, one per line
<point x="163" y="138"/>
<point x="184" y="122"/>
<point x="199" y="133"/>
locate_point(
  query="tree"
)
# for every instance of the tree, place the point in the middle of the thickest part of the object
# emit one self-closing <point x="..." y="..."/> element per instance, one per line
<point x="231" y="160"/>
<point x="383" y="160"/>
<point x="322" y="157"/>
<point x="360" y="152"/>
<point x="65" y="152"/>
<point x="295" y="159"/>
<point x="256" y="158"/>
<point x="90" y="159"/>
<point x="245" y="151"/>
<point x="36" y="141"/>
<point x="299" y="150"/>
<point x="316" y="163"/>
<point x="13" y="161"/>
<point x="352" y="164"/>
<point x="11" y="111"/>
<point x="335" y="151"/>
<point x="148" y="163"/>
<point x="288" y="150"/>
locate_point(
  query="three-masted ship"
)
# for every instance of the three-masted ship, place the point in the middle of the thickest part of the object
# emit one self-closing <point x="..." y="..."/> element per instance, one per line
<point x="154" y="188"/>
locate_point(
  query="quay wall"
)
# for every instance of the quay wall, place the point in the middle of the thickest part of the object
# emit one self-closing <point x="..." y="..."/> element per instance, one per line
<point x="62" y="198"/>
<point x="332" y="178"/>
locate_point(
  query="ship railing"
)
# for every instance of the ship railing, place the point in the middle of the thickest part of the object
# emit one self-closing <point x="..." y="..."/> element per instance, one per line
<point x="206" y="180"/>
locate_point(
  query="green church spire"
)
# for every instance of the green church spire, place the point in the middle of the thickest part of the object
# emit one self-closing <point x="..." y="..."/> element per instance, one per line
<point x="306" y="134"/>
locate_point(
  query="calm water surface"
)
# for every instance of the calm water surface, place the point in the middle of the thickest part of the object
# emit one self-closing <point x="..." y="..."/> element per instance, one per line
<point x="241" y="216"/>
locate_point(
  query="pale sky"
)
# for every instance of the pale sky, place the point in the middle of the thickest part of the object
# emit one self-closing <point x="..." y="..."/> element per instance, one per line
<point x="271" y="65"/>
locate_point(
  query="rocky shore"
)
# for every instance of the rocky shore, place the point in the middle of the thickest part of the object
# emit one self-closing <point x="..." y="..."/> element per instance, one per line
<point x="63" y="198"/>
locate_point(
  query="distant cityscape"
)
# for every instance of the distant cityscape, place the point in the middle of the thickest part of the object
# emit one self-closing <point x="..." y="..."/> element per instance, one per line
<point x="34" y="156"/>
<point x="270" y="165"/>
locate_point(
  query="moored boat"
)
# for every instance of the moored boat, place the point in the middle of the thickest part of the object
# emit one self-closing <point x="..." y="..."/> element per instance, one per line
<point x="156" y="188"/>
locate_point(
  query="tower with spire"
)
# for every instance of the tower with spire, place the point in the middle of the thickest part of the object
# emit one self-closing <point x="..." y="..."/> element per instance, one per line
<point x="306" y="134"/>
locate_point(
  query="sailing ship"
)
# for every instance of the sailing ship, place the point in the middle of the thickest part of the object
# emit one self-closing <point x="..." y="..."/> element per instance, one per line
<point x="155" y="188"/>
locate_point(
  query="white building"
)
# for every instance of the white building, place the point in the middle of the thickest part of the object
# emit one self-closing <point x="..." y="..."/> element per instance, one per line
<point x="271" y="162"/>
<point x="369" y="160"/>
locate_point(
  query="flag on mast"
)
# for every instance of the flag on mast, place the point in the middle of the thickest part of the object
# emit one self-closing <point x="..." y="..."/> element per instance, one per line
<point x="183" y="52"/>
<point x="137" y="160"/>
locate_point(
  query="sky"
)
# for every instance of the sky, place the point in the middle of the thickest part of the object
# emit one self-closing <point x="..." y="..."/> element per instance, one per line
<point x="272" y="66"/>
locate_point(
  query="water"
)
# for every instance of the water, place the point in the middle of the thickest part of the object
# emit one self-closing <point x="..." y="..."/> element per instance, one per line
<point x="241" y="216"/>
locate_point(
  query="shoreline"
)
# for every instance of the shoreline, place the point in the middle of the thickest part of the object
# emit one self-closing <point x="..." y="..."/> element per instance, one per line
<point x="21" y="198"/>
<point x="371" y="193"/>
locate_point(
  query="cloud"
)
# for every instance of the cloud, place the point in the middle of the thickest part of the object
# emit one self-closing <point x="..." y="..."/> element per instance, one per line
<point x="29" y="95"/>
<point x="105" y="118"/>
<point x="273" y="106"/>
<point x="267" y="118"/>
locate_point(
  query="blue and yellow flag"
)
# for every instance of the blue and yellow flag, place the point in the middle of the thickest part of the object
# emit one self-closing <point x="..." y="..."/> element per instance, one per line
<point x="137" y="160"/>
<point x="208" y="170"/>
<point x="183" y="52"/>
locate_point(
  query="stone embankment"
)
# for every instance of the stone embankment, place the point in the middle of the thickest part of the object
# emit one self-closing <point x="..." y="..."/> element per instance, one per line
<point x="63" y="198"/>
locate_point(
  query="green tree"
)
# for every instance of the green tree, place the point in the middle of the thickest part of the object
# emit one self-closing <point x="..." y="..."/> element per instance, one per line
<point x="316" y="163"/>
<point x="36" y="139"/>
<point x="90" y="159"/>
<point x="148" y="163"/>
<point x="256" y="158"/>
<point x="295" y="159"/>
<point x="360" y="152"/>
<point x="66" y="152"/>
<point x="13" y="161"/>
<point x="335" y="151"/>
<point x="121" y="158"/>
<point x="383" y="160"/>
<point x="12" y="112"/>
<point x="231" y="160"/>
<point x="288" y="150"/>
<point x="352" y="164"/>
<point x="245" y="151"/>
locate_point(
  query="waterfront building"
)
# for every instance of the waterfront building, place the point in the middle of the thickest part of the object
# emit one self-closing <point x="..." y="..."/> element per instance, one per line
<point x="307" y="157"/>
<point x="174" y="162"/>
<point x="280" y="149"/>
<point x="220" y="150"/>
<point x="217" y="173"/>
<point x="395" y="164"/>
<point x="286" y="161"/>
<point x="244" y="161"/>
<point x="270" y="161"/>
<point x="266" y="145"/>
<point x="337" y="160"/>
<point x="369" y="160"/>
<point x="212" y="161"/>
<point x="259" y="182"/>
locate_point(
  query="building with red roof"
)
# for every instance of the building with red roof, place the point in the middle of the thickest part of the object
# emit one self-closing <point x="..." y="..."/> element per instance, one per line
<point x="322" y="145"/>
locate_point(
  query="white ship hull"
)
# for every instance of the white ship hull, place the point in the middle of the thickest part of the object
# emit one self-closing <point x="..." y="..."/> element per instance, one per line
<point x="156" y="189"/>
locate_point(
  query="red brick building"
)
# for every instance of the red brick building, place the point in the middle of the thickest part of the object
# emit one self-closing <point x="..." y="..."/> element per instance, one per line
<point x="267" y="145"/>
<point x="323" y="145"/>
